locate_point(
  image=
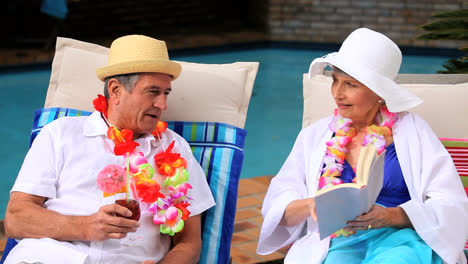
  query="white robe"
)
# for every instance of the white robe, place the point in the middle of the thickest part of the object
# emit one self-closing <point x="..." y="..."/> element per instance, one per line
<point x="438" y="208"/>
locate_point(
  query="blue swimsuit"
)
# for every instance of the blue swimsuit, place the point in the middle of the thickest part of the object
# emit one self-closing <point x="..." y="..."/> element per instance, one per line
<point x="394" y="191"/>
<point x="384" y="245"/>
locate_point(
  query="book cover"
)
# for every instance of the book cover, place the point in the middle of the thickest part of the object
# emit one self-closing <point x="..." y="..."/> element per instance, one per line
<point x="342" y="203"/>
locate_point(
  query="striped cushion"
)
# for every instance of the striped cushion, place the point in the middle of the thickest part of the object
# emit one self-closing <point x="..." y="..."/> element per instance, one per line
<point x="458" y="149"/>
<point x="218" y="148"/>
<point x="46" y="115"/>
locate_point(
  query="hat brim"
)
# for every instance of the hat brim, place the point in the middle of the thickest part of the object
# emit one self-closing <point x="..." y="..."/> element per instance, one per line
<point x="397" y="98"/>
<point x="160" y="66"/>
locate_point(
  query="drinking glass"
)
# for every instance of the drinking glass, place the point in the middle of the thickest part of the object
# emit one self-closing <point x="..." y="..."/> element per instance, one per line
<point x="133" y="204"/>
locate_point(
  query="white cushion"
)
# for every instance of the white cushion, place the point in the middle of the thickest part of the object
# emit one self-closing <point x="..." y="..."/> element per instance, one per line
<point x="444" y="106"/>
<point x="212" y="92"/>
<point x="203" y="92"/>
<point x="73" y="82"/>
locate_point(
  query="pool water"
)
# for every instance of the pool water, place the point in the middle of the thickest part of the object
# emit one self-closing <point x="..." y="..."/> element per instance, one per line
<point x="274" y="117"/>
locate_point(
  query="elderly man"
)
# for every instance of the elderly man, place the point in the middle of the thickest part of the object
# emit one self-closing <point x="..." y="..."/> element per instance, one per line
<point x="56" y="207"/>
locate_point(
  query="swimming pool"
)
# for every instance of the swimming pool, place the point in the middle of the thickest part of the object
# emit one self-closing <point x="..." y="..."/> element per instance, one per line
<point x="273" y="120"/>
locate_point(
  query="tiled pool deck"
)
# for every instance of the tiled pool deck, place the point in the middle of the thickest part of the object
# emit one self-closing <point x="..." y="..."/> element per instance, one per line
<point x="251" y="191"/>
<point x="248" y="222"/>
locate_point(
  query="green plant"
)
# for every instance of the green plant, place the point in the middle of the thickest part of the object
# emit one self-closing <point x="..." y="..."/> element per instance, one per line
<point x="451" y="25"/>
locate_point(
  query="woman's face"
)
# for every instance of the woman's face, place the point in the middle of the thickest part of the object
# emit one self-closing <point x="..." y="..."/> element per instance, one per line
<point x="354" y="100"/>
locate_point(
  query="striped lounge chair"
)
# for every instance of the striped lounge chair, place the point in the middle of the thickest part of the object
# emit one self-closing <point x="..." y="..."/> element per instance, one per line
<point x="218" y="147"/>
<point x="208" y="107"/>
<point x="458" y="149"/>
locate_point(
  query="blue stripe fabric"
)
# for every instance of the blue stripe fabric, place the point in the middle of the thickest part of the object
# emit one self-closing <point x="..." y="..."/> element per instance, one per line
<point x="219" y="148"/>
<point x="46" y="115"/>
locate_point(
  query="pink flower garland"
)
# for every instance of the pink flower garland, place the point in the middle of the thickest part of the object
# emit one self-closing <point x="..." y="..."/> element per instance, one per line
<point x="344" y="133"/>
<point x="336" y="150"/>
<point x="168" y="202"/>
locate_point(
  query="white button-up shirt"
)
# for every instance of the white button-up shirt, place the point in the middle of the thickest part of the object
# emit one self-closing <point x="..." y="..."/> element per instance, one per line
<point x="62" y="165"/>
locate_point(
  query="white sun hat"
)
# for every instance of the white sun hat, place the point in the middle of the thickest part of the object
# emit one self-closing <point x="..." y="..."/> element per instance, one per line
<point x="374" y="60"/>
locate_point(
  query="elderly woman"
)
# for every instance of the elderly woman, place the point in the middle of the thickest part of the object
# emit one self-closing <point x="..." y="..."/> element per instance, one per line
<point x="421" y="212"/>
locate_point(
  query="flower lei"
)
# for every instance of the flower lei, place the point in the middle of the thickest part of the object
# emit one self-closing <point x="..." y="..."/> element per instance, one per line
<point x="336" y="147"/>
<point x="168" y="203"/>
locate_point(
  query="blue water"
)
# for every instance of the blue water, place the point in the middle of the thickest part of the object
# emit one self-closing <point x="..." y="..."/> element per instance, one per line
<point x="273" y="120"/>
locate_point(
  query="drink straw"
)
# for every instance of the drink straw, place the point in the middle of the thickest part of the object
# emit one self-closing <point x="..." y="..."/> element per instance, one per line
<point x="127" y="194"/>
<point x="160" y="142"/>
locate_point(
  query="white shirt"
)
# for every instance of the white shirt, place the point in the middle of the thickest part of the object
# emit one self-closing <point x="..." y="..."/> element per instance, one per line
<point x="63" y="164"/>
<point x="438" y="208"/>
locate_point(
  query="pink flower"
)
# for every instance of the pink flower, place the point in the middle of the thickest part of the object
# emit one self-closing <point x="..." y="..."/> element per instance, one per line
<point x="182" y="188"/>
<point x="112" y="178"/>
<point x="135" y="160"/>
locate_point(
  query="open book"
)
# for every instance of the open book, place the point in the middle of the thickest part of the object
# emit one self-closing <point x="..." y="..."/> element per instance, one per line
<point x="341" y="203"/>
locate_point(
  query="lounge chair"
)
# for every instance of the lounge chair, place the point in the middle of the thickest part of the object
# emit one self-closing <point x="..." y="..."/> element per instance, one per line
<point x="208" y="107"/>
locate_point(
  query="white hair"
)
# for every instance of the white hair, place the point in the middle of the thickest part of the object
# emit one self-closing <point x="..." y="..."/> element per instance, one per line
<point x="127" y="80"/>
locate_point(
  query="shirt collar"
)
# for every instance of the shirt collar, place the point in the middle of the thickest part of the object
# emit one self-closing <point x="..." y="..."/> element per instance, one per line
<point x="96" y="126"/>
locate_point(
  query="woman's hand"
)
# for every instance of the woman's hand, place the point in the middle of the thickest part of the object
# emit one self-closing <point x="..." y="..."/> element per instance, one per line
<point x="380" y="217"/>
<point x="297" y="211"/>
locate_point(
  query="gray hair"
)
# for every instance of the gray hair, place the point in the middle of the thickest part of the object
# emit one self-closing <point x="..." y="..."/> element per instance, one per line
<point x="339" y="71"/>
<point x="127" y="80"/>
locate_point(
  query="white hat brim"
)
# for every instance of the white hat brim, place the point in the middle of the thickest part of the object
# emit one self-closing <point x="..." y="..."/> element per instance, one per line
<point x="397" y="98"/>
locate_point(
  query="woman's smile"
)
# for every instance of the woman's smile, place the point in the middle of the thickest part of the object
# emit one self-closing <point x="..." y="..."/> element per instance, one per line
<point x="343" y="106"/>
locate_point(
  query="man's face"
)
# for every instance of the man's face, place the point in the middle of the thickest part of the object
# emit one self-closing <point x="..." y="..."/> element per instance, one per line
<point x="140" y="109"/>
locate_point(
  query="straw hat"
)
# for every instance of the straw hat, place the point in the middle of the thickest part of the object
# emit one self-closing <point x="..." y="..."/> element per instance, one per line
<point x="374" y="60"/>
<point x="138" y="53"/>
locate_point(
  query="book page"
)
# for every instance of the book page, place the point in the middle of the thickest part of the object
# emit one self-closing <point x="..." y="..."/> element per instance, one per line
<point x="335" y="208"/>
<point x="343" y="185"/>
<point x="375" y="179"/>
<point x="367" y="155"/>
<point x="341" y="203"/>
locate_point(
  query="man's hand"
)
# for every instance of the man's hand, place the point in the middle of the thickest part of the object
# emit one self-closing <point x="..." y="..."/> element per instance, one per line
<point x="27" y="218"/>
<point x="380" y="217"/>
<point x="104" y="225"/>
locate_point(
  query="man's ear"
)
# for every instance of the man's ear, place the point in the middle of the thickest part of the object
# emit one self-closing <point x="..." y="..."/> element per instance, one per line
<point x="115" y="90"/>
